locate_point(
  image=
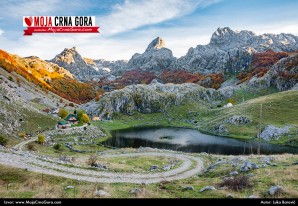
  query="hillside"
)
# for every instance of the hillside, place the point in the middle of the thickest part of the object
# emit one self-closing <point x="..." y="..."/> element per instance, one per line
<point x="279" y="110"/>
<point x="48" y="76"/>
<point x="20" y="115"/>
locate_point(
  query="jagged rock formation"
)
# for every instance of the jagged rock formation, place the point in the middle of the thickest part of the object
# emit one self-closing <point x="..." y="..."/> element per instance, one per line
<point x="149" y="98"/>
<point x="230" y="51"/>
<point x="156" y="57"/>
<point x="84" y="68"/>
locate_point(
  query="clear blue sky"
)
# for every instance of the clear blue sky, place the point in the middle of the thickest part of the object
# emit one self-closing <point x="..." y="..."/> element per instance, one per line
<point x="128" y="26"/>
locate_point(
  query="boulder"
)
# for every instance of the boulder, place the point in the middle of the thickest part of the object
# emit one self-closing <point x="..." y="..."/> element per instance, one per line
<point x="274" y="190"/>
<point x="188" y="188"/>
<point x="153" y="167"/>
<point x="248" y="165"/>
<point x="230" y="195"/>
<point x="207" y="188"/>
<point x="135" y="191"/>
<point x="101" y="193"/>
<point x="213" y="166"/>
<point x="100" y="166"/>
<point x="69" y="187"/>
<point x="234" y="173"/>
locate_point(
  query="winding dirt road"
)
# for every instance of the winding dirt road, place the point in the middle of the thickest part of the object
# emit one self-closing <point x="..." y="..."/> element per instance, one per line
<point x="190" y="166"/>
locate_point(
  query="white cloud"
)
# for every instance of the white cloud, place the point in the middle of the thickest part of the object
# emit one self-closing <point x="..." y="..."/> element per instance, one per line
<point x="1" y="32"/>
<point x="134" y="14"/>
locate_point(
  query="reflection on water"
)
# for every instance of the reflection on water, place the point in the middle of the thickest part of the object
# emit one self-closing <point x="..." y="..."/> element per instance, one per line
<point x="188" y="140"/>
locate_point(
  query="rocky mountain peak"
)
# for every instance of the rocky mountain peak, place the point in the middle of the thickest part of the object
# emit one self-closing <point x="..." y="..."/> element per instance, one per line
<point x="223" y="31"/>
<point x="225" y="35"/>
<point x="68" y="56"/>
<point x="157" y="43"/>
<point x="156" y="58"/>
<point x="222" y="36"/>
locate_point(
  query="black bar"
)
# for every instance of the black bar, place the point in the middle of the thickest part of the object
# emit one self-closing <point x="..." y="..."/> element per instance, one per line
<point x="154" y="202"/>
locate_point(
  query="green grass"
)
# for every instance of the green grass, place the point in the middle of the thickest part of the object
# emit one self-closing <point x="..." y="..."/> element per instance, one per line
<point x="92" y="147"/>
<point x="50" y="151"/>
<point x="136" y="164"/>
<point x="249" y="93"/>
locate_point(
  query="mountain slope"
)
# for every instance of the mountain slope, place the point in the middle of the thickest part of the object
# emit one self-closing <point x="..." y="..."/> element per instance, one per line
<point x="48" y="76"/>
<point x="18" y="115"/>
<point x="278" y="110"/>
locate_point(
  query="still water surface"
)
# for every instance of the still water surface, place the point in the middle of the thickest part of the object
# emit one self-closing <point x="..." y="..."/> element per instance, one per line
<point x="189" y="140"/>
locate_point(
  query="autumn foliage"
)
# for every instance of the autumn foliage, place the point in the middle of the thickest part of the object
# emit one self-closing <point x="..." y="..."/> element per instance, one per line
<point x="34" y="70"/>
<point x="179" y="77"/>
<point x="215" y="81"/>
<point x="136" y="76"/>
<point x="73" y="90"/>
<point x="261" y="63"/>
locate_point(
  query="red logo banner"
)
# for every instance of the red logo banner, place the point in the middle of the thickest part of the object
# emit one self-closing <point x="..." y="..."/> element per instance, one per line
<point x="63" y="29"/>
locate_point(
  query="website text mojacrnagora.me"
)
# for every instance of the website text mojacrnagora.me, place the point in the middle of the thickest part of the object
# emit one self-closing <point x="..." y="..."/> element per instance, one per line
<point x="31" y="202"/>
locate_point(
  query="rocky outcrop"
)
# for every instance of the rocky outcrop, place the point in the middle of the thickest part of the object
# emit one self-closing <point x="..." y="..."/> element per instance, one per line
<point x="156" y="58"/>
<point x="149" y="98"/>
<point x="220" y="130"/>
<point x="236" y="120"/>
<point x="274" y="133"/>
<point x="232" y="51"/>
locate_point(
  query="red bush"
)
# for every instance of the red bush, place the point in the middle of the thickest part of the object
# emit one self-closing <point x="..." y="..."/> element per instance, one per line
<point x="136" y="76"/>
<point x="179" y="77"/>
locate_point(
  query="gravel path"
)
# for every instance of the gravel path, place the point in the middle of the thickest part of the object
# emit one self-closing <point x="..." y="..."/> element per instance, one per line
<point x="190" y="167"/>
<point x="22" y="144"/>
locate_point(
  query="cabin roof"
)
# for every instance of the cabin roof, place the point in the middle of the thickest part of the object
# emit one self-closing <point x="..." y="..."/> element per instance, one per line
<point x="69" y="116"/>
<point x="62" y="122"/>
